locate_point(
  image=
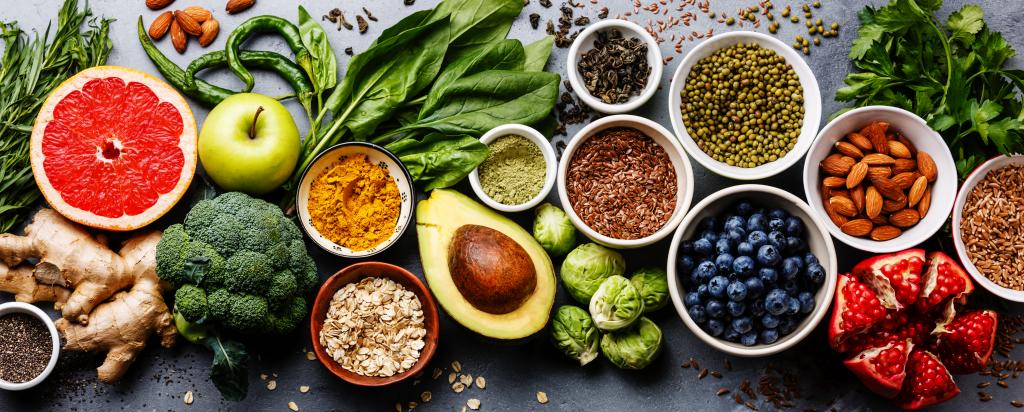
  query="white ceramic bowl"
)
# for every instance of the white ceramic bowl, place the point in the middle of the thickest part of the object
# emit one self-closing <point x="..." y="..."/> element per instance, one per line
<point x="665" y="139"/>
<point x="812" y="104"/>
<point x="585" y="41"/>
<point x="817" y="240"/>
<point x="923" y="137"/>
<point x="550" y="167"/>
<point x="19" y="307"/>
<point x="970" y="182"/>
<point x="378" y="156"/>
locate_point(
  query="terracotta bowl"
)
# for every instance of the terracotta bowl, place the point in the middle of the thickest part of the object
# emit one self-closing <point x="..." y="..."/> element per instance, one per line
<point x="355" y="273"/>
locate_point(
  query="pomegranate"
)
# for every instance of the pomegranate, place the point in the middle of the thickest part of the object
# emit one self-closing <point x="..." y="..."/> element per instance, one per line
<point x="900" y="326"/>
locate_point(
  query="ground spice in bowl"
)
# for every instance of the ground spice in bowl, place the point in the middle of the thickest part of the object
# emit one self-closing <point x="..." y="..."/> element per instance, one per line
<point x="25" y="347"/>
<point x="622" y="184"/>
<point x="354" y="203"/>
<point x="991" y="226"/>
<point x="514" y="170"/>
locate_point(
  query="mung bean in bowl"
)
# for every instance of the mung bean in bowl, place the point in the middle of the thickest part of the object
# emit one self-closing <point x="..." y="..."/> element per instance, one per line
<point x="519" y="171"/>
<point x="606" y="69"/>
<point x="987" y="231"/>
<point x="757" y="124"/>
<point x="625" y="182"/>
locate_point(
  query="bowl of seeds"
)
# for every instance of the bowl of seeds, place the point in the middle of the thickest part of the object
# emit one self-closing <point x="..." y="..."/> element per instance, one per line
<point x="625" y="182"/>
<point x="519" y="170"/>
<point x="29" y="347"/>
<point x="374" y="324"/>
<point x="614" y="66"/>
<point x="987" y="230"/>
<point x="744" y="105"/>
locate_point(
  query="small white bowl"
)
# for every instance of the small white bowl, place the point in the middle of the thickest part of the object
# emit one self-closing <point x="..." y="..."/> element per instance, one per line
<point x="665" y="139"/>
<point x="585" y="41"/>
<point x="19" y="307"/>
<point x="378" y="156"/>
<point x="970" y="182"/>
<point x="812" y="104"/>
<point x="817" y="240"/>
<point x="550" y="167"/>
<point x="922" y="136"/>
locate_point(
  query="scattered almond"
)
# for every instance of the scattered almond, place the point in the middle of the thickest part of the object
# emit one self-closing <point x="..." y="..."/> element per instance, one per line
<point x="189" y="25"/>
<point x="542" y="397"/>
<point x="849" y="149"/>
<point x="898" y="150"/>
<point x="158" y="4"/>
<point x="161" y="25"/>
<point x="843" y="206"/>
<point x="860" y="141"/>
<point x="857" y="227"/>
<point x="857" y="174"/>
<point x="883" y="233"/>
<point x="178" y="37"/>
<point x="926" y="166"/>
<point x="209" y="31"/>
<point x="238" y="6"/>
<point x="197" y="13"/>
<point x="189" y="397"/>
<point x="917" y="191"/>
<point x="872" y="202"/>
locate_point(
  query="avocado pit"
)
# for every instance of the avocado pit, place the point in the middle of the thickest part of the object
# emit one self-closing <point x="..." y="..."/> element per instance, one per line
<point x="491" y="270"/>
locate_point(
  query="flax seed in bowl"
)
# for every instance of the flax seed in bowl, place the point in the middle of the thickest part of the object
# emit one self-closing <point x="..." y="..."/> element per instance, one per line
<point x="625" y="182"/>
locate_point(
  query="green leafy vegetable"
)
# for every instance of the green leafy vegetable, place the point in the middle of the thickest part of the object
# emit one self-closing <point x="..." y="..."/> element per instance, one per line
<point x="439" y="161"/>
<point x="324" y="74"/>
<point x="950" y="74"/>
<point x="501" y="55"/>
<point x="230" y="370"/>
<point x="477" y="23"/>
<point x="574" y="334"/>
<point x="537" y="54"/>
<point x="634" y="348"/>
<point x="586" y="267"/>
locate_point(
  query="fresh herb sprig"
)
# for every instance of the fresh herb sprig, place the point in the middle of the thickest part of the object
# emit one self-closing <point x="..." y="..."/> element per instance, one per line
<point x="950" y="74"/>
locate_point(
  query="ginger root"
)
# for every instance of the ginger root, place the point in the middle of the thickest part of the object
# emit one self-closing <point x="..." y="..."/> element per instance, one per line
<point x="108" y="301"/>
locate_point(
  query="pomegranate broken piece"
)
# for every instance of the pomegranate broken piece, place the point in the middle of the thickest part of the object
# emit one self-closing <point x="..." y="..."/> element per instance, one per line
<point x="943" y="279"/>
<point x="856" y="309"/>
<point x="883" y="368"/>
<point x="967" y="341"/>
<point x="896" y="278"/>
<point x="927" y="383"/>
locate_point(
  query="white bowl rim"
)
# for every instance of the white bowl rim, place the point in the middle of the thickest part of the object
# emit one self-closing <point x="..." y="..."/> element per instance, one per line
<point x="32" y="310"/>
<point x="804" y="140"/>
<point x="809" y="323"/>
<point x="550" y="166"/>
<point x="869" y="245"/>
<point x="682" y="205"/>
<point x="653" y="49"/>
<point x="972" y="180"/>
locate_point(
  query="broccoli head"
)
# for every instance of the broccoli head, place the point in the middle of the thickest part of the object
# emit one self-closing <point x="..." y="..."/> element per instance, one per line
<point x="190" y="302"/>
<point x="282" y="288"/>
<point x="171" y="254"/>
<point x="248" y="313"/>
<point x="206" y="223"/>
<point x="247" y="272"/>
<point x="219" y="301"/>
<point x="289" y="317"/>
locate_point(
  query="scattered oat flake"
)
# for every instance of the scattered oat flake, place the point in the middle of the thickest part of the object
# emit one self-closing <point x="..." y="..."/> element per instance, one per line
<point x="293" y="406"/>
<point x="480" y="382"/>
<point x="466" y="379"/>
<point x="463" y="409"/>
<point x="456" y="366"/>
<point x="473" y="404"/>
<point x="271" y="385"/>
<point x="451" y="378"/>
<point x="398" y="407"/>
<point x="425" y="396"/>
<point x="309" y="355"/>
<point x="263" y="376"/>
<point x="458" y="387"/>
<point x="436" y="374"/>
<point x="542" y="397"/>
<point x="189" y="397"/>
<point x="413" y="405"/>
<point x="304" y="389"/>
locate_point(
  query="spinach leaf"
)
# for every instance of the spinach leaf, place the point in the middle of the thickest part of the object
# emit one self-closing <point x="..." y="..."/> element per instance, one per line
<point x="537" y="54"/>
<point x="501" y="55"/>
<point x="439" y="161"/>
<point x="230" y="369"/>
<point x="476" y="23"/>
<point x="324" y="73"/>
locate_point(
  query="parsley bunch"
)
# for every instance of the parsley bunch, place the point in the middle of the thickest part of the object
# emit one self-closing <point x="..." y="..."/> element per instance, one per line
<point x="950" y="74"/>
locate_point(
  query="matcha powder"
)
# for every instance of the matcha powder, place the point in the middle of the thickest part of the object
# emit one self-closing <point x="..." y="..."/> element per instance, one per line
<point x="514" y="170"/>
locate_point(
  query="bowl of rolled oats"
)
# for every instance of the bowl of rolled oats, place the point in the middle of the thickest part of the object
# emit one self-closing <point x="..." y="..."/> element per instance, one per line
<point x="374" y="324"/>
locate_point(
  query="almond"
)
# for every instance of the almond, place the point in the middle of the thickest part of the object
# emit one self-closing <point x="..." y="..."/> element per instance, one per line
<point x="892" y="206"/>
<point x="210" y="30"/>
<point x="904" y="165"/>
<point x="857" y="227"/>
<point x="875" y="132"/>
<point x="926" y="166"/>
<point x="925" y="203"/>
<point x="198" y="14"/>
<point x="158" y="4"/>
<point x="836" y="218"/>
<point x="905" y="180"/>
<point x="843" y="206"/>
<point x="880" y="220"/>
<point x="857" y="196"/>
<point x="161" y="25"/>
<point x="187" y="23"/>
<point x="862" y="143"/>
<point x="849" y="149"/>
<point x="879" y="171"/>
<point x="238" y="6"/>
<point x="837" y="165"/>
<point x="839" y="192"/>
<point x="897" y="149"/>
<point x="917" y="191"/>
<point x="832" y="181"/>
<point x="178" y="37"/>
<point x="906" y="142"/>
<point x="888" y="189"/>
<point x="878" y="159"/>
<point x="905" y="218"/>
<point x="872" y="202"/>
<point x="883" y="233"/>
<point x="857" y="174"/>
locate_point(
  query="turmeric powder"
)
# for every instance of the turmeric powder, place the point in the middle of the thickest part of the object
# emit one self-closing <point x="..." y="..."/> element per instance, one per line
<point x="354" y="203"/>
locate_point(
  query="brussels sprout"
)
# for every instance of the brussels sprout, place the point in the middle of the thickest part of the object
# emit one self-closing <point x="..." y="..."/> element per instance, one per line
<point x="635" y="347"/>
<point x="586" y="267"/>
<point x="574" y="333"/>
<point x="652" y="283"/>
<point x="553" y="230"/>
<point x="616" y="304"/>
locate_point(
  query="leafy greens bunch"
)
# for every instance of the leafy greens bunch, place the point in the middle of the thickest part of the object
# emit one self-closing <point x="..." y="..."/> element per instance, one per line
<point x="952" y="74"/>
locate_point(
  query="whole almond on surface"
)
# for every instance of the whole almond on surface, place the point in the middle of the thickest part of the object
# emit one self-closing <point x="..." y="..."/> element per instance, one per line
<point x="905" y="180"/>
<point x="904" y="165"/>
<point x="857" y="227"/>
<point x="872" y="202"/>
<point x="917" y="191"/>
<point x="857" y="196"/>
<point x="833" y="181"/>
<point x="161" y="25"/>
<point x="189" y="25"/>
<point x="238" y="6"/>
<point x="158" y="4"/>
<point x="925" y="203"/>
<point x="879" y="171"/>
<point x="843" y="206"/>
<point x="178" y="37"/>
<point x="905" y="218"/>
<point x="883" y="233"/>
<point x="878" y="159"/>
<point x="198" y="14"/>
<point x="849" y="149"/>
<point x="857" y="174"/>
<point x="210" y="30"/>
<point x="887" y="188"/>
<point x="898" y="150"/>
<point x="859" y="140"/>
<point x="837" y="165"/>
<point x="926" y="165"/>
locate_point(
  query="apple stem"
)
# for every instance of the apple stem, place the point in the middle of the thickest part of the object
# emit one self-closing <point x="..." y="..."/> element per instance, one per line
<point x="252" y="128"/>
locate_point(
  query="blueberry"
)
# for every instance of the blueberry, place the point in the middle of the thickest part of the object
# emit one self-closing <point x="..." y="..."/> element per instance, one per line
<point x="731" y="335"/>
<point x="787" y="325"/>
<point x="769" y="321"/>
<point x="702" y="291"/>
<point x="717" y="286"/>
<point x="792" y="287"/>
<point x="723" y="245"/>
<point x="710" y="235"/>
<point x="714" y="308"/>
<point x="702" y="247"/>
<point x="724" y="262"/>
<point x="686" y="247"/>
<point x="749" y="338"/>
<point x="757" y="239"/>
<point x="743" y="265"/>
<point x="769" y="336"/>
<point x="736" y="235"/>
<point x="809" y="259"/>
<point x="816" y="273"/>
<point x="756" y="222"/>
<point x="744" y="249"/>
<point x="792" y="306"/>
<point x="737" y="291"/>
<point x="794" y="226"/>
<point x="742" y="324"/>
<point x="744" y="208"/>
<point x="708" y="223"/>
<point x="790" y="269"/>
<point x="697" y="313"/>
<point x="777" y="214"/>
<point x="757" y="308"/>
<point x="705" y="271"/>
<point x="736" y="308"/>
<point x="692" y="299"/>
<point x="755" y="287"/>
<point x="797" y="261"/>
<point x="686" y="264"/>
<point x="806" y="302"/>
<point x="768" y="255"/>
<point x="776" y="224"/>
<point x="734" y="222"/>
<point x="795" y="244"/>
<point x="775" y="303"/>
<point x="777" y="239"/>
<point x="714" y="327"/>
<point x="768" y="276"/>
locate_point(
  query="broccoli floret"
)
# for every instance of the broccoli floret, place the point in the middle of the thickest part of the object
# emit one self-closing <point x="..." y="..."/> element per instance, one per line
<point x="171" y="253"/>
<point x="289" y="230"/>
<point x="289" y="317"/>
<point x="260" y="228"/>
<point x="248" y="313"/>
<point x="209" y="225"/>
<point x="214" y="273"/>
<point x="247" y="272"/>
<point x="302" y="266"/>
<point x="190" y="302"/>
<point x="219" y="301"/>
<point x="282" y="287"/>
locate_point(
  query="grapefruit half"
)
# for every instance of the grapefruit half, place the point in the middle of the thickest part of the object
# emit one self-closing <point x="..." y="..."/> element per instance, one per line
<point x="114" y="148"/>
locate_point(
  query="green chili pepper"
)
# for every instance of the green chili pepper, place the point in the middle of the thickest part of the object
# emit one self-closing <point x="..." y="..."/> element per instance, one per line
<point x="263" y="24"/>
<point x="266" y="60"/>
<point x="205" y="93"/>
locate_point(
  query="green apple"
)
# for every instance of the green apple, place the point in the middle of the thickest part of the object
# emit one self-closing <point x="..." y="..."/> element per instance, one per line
<point x="249" y="143"/>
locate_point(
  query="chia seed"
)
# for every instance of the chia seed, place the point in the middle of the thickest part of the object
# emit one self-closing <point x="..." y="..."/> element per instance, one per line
<point x="25" y="347"/>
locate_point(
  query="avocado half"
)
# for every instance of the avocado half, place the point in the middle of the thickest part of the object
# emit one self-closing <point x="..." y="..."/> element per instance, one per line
<point x="488" y="273"/>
